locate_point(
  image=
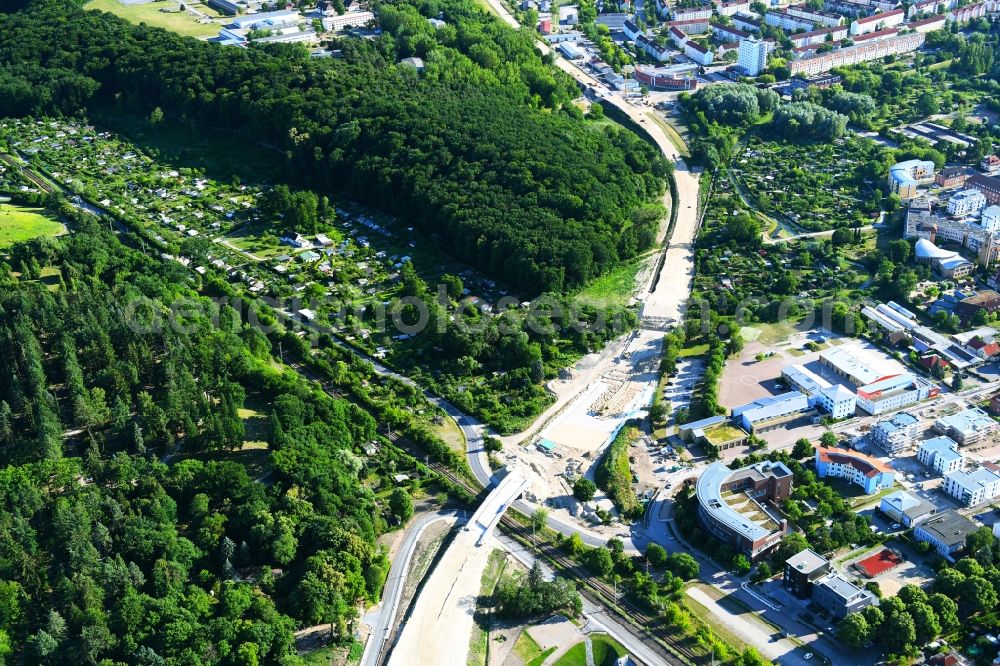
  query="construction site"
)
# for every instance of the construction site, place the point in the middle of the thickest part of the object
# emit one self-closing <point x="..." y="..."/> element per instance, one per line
<point x="573" y="440"/>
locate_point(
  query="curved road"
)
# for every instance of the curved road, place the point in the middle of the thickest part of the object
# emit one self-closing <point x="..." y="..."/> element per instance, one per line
<point x="382" y="618"/>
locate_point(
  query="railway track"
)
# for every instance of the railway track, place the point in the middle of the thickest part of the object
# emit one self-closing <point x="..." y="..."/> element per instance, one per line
<point x="648" y="626"/>
<point x="599" y="592"/>
<point x="27" y="173"/>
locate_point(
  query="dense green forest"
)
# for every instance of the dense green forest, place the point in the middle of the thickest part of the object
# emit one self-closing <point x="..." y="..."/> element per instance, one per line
<point x="131" y="526"/>
<point x="482" y="152"/>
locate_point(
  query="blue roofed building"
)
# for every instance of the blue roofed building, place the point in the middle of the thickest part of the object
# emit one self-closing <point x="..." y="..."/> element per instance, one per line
<point x="773" y="411"/>
<point x="905" y="177"/>
<point x="906" y="509"/>
<point x="897" y="434"/>
<point x="940" y="454"/>
<point x="967" y="427"/>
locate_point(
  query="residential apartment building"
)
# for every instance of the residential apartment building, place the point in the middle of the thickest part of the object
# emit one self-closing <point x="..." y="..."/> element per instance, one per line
<point x="990" y="219"/>
<point x="654" y="50"/>
<point x="880" y="21"/>
<point x="928" y="24"/>
<point x="968" y="13"/>
<point x="950" y="176"/>
<point x="875" y="36"/>
<point x="687" y="13"/>
<point x="973" y="487"/>
<point x="991" y="165"/>
<point x="732" y="8"/>
<point x="781" y="18"/>
<point x="941" y="454"/>
<point x="897" y="434"/>
<point x="802" y="570"/>
<point x="816" y="16"/>
<point x="349" y="20"/>
<point x="819" y="37"/>
<point x="848" y="7"/>
<point x="839" y="596"/>
<point x="905" y="177"/>
<point x="928" y="7"/>
<point x="967" y="427"/>
<point x="989" y="186"/>
<point x="694" y="26"/>
<point x="698" y="53"/>
<point x="852" y="55"/>
<point x="752" y="56"/>
<point x="746" y="22"/>
<point x="727" y="33"/>
<point x="966" y="202"/>
<point x="867" y="472"/>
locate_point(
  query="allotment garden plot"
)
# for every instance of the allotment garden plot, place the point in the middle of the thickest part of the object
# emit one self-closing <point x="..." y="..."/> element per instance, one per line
<point x="809" y="187"/>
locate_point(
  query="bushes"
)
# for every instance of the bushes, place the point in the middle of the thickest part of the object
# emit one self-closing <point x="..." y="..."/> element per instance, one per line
<point x="734" y="104"/>
<point x="521" y="596"/>
<point x="584" y="489"/>
<point x="805" y="121"/>
<point x="614" y="476"/>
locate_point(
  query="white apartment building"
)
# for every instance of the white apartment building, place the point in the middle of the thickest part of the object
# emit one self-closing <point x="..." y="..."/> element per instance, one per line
<point x="940" y="454"/>
<point x="349" y="20"/>
<point x="838" y="401"/>
<point x="817" y="16"/>
<point x="967" y="427"/>
<point x="752" y="56"/>
<point x="731" y="8"/>
<point x="697" y="52"/>
<point x="852" y="55"/>
<point x="975" y="487"/>
<point x="875" y="22"/>
<point x="990" y="220"/>
<point x="896" y="434"/>
<point x="966" y="202"/>
<point x="689" y="13"/>
<point x="785" y="21"/>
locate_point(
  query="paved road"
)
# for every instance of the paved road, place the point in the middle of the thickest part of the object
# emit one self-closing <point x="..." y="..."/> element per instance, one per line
<point x="382" y="618"/>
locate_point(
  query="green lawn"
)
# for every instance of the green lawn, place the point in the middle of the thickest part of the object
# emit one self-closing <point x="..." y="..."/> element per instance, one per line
<point x="606" y="651"/>
<point x="694" y="350"/>
<point x="614" y="288"/>
<point x="20" y="224"/>
<point x="172" y="18"/>
<point x="527" y="649"/>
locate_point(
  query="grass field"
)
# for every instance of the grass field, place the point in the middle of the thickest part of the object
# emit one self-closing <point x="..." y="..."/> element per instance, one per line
<point x="694" y="350"/>
<point x="479" y="644"/>
<point x="614" y="288"/>
<point x="183" y="23"/>
<point x="527" y="650"/>
<point x="452" y="435"/>
<point x="20" y="224"/>
<point x="606" y="651"/>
